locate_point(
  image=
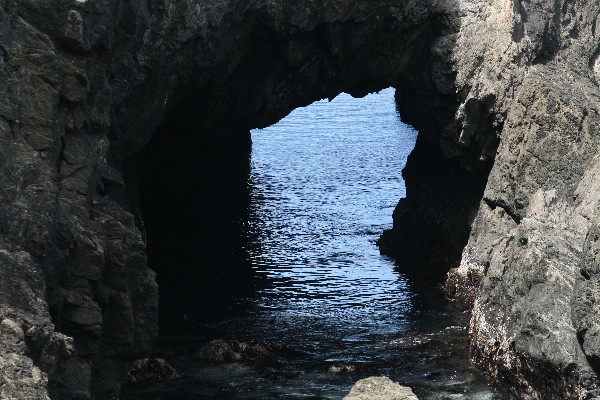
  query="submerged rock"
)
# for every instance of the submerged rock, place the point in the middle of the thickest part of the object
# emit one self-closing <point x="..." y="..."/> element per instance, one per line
<point x="151" y="369"/>
<point x="342" y="368"/>
<point x="236" y="351"/>
<point x="380" y="388"/>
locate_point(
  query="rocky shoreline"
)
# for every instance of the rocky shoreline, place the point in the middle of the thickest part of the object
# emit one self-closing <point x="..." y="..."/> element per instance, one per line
<point x="503" y="180"/>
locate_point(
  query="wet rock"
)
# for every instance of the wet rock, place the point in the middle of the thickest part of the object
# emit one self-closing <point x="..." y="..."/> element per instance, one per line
<point x="236" y="351"/>
<point x="379" y="388"/>
<point x="151" y="370"/>
<point x="342" y="368"/>
<point x="462" y="284"/>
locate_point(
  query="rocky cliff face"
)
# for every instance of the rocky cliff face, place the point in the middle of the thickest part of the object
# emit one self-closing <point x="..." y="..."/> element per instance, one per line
<point x="85" y="85"/>
<point x="534" y="324"/>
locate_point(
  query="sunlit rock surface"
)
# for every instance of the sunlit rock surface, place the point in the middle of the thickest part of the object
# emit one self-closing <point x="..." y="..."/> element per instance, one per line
<point x="379" y="388"/>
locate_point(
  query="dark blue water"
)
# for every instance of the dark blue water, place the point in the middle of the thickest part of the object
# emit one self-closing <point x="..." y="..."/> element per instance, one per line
<point x="322" y="186"/>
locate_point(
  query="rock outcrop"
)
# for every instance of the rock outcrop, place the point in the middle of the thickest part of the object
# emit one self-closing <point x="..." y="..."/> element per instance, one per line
<point x="379" y="388"/>
<point x="502" y="89"/>
<point x="533" y="323"/>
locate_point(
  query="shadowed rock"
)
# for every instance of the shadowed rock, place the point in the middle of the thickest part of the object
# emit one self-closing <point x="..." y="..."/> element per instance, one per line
<point x="151" y="370"/>
<point x="236" y="351"/>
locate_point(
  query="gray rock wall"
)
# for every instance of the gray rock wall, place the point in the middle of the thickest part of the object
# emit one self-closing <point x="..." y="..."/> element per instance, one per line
<point x="85" y="84"/>
<point x="531" y="326"/>
<point x="76" y="293"/>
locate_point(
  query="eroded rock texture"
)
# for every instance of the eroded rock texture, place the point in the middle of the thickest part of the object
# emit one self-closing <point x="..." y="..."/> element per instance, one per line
<point x="532" y="323"/>
<point x="86" y="84"/>
<point x="75" y="287"/>
<point x="379" y="387"/>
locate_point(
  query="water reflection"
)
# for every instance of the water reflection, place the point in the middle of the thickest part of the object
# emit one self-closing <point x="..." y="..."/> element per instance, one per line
<point x="324" y="183"/>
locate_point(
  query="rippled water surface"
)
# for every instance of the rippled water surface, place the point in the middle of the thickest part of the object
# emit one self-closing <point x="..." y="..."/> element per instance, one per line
<point x="325" y="181"/>
<point x="322" y="186"/>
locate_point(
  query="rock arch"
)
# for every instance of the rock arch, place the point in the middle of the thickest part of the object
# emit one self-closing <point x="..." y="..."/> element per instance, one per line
<point x="87" y="84"/>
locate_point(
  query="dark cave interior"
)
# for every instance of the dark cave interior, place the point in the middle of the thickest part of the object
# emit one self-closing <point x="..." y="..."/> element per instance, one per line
<point x="194" y="198"/>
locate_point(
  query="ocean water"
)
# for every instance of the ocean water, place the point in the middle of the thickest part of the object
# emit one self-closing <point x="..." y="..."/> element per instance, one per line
<point x="321" y="187"/>
<point x="324" y="183"/>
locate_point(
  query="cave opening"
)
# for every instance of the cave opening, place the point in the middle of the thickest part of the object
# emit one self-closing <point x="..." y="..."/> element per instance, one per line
<point x="218" y="216"/>
<point x="198" y="161"/>
<point x="274" y="243"/>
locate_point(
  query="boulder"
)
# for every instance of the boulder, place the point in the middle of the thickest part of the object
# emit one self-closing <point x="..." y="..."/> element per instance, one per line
<point x="380" y="388"/>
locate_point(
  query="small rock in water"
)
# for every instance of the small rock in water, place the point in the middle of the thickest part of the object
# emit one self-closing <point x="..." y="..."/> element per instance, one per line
<point x="151" y="369"/>
<point x="380" y="388"/>
<point x="235" y="351"/>
<point x="341" y="368"/>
